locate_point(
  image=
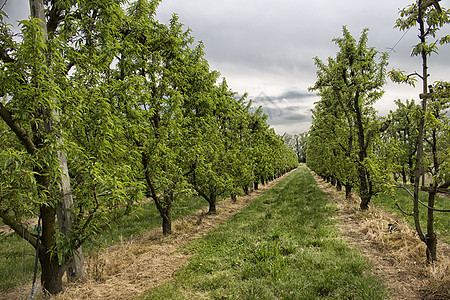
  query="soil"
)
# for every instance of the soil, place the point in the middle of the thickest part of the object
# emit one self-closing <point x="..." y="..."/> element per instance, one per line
<point x="134" y="266"/>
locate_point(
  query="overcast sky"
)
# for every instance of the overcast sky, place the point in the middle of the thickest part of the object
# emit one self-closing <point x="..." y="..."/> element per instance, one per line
<point x="266" y="47"/>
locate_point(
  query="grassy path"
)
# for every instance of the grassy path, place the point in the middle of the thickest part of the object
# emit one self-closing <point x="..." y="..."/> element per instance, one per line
<point x="284" y="245"/>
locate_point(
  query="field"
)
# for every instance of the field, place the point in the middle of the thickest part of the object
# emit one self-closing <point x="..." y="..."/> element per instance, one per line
<point x="298" y="239"/>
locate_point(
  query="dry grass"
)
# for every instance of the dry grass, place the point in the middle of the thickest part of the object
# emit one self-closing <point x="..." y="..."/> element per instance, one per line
<point x="397" y="254"/>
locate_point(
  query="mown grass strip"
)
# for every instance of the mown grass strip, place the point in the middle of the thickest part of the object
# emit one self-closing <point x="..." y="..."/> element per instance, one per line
<point x="284" y="245"/>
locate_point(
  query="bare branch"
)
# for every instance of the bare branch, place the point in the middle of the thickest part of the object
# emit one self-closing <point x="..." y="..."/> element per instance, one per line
<point x="404" y="212"/>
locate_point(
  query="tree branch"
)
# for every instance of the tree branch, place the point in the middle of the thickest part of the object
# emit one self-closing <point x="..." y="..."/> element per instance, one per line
<point x="404" y="212"/>
<point x="444" y="185"/>
<point x="20" y="132"/>
<point x="385" y="125"/>
<point x="54" y="17"/>
<point x="18" y="228"/>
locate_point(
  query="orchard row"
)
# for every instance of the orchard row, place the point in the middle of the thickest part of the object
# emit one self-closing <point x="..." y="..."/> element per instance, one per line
<point x="103" y="106"/>
<point x="354" y="147"/>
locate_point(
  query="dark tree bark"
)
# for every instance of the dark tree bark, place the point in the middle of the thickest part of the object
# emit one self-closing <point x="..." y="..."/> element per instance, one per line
<point x="233" y="198"/>
<point x="338" y="185"/>
<point x="246" y="190"/>
<point x="431" y="239"/>
<point x="404" y="175"/>
<point x="52" y="271"/>
<point x="164" y="211"/>
<point x="212" y="204"/>
<point x="51" y="278"/>
<point x="348" y="190"/>
<point x="163" y="205"/>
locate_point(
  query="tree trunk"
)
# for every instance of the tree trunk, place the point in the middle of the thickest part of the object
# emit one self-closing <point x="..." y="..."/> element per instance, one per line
<point x="166" y="222"/>
<point x="246" y="190"/>
<point x="431" y="239"/>
<point x="419" y="153"/>
<point x="365" y="200"/>
<point x="338" y="185"/>
<point x="348" y="191"/>
<point x="233" y="198"/>
<point x="51" y="278"/>
<point x="76" y="266"/>
<point x="163" y="205"/>
<point x="364" y="189"/>
<point x="404" y="175"/>
<point x="164" y="210"/>
<point x="212" y="205"/>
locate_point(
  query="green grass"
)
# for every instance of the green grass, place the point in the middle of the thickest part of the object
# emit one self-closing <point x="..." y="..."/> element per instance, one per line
<point x="284" y="245"/>
<point x="17" y="267"/>
<point x="16" y="261"/>
<point x="147" y="218"/>
<point x="442" y="219"/>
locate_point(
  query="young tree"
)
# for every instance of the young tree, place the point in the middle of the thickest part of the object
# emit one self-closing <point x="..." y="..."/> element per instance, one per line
<point x="334" y="131"/>
<point x="209" y="174"/>
<point x="45" y="106"/>
<point x="430" y="18"/>
<point x="153" y="63"/>
<point x="353" y="81"/>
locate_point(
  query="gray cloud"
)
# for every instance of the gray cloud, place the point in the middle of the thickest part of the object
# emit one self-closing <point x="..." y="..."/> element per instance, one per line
<point x="295" y="95"/>
<point x="16" y="10"/>
<point x="287" y="112"/>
